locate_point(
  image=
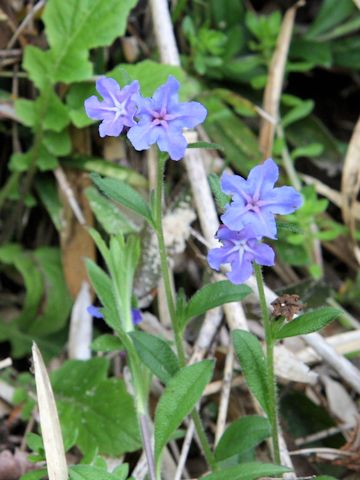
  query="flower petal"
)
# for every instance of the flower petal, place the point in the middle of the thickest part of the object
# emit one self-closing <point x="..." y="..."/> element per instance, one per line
<point x="240" y="271"/>
<point x="166" y="96"/>
<point x="93" y="108"/>
<point x="142" y="136"/>
<point x="233" y="217"/>
<point x="108" y="88"/>
<point x="283" y="200"/>
<point x="111" y="126"/>
<point x="172" y="141"/>
<point x="187" y="114"/>
<point x="94" y="311"/>
<point x="215" y="258"/>
<point x="264" y="254"/>
<point x="263" y="177"/>
<point x="236" y="186"/>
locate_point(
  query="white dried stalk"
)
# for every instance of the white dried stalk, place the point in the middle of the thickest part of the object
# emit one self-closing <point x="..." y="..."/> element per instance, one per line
<point x="344" y="343"/>
<point x="49" y="421"/>
<point x="80" y="334"/>
<point x="225" y="394"/>
<point x="65" y="187"/>
<point x="185" y="450"/>
<point x="6" y="362"/>
<point x="207" y="332"/>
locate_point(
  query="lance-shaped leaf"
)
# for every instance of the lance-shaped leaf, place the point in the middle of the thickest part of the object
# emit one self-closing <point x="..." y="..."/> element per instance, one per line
<point x="211" y="296"/>
<point x="122" y="193"/>
<point x="181" y="395"/>
<point x="252" y="362"/>
<point x="248" y="471"/>
<point x="308" y="323"/>
<point x="104" y="290"/>
<point x="242" y="435"/>
<point x="156" y="354"/>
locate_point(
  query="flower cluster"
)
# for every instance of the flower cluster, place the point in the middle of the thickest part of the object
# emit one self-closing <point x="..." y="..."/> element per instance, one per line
<point x="159" y="119"/>
<point x="249" y="217"/>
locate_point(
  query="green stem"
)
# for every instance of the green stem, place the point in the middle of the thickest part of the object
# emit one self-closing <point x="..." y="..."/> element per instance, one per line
<point x="272" y="402"/>
<point x="163" y="259"/>
<point x="210" y="458"/>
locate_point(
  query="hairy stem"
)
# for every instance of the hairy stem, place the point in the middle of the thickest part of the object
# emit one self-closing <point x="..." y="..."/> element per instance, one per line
<point x="273" y="410"/>
<point x="210" y="458"/>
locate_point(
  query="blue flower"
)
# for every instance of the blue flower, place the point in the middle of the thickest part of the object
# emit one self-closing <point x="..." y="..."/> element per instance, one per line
<point x="162" y="119"/>
<point x="96" y="313"/>
<point x="136" y="316"/>
<point x="118" y="108"/>
<point x="255" y="200"/>
<point x="240" y="249"/>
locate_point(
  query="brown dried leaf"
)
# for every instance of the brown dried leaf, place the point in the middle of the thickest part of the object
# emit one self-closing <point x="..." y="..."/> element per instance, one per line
<point x="76" y="243"/>
<point x="275" y="81"/>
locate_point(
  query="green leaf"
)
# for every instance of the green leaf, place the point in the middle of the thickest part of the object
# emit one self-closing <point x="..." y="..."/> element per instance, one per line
<point x="156" y="354"/>
<point x="242" y="435"/>
<point x="108" y="214"/>
<point x="151" y="75"/>
<point x="181" y="394"/>
<point x="56" y="301"/>
<point x="207" y="145"/>
<point x="103" y="287"/>
<point x="325" y="477"/>
<point x="122" y="193"/>
<point x="99" y="408"/>
<point x="57" y="143"/>
<point x="45" y="160"/>
<point x="220" y="197"/>
<point x="331" y="13"/>
<point x="26" y="111"/>
<point x="310" y="150"/>
<point x="75" y="26"/>
<point x="52" y="112"/>
<point x="252" y="362"/>
<point x="92" y="472"/>
<point x="298" y="112"/>
<point x="106" y="168"/>
<point x="35" y="474"/>
<point x="213" y="295"/>
<point x="47" y="108"/>
<point x="308" y="322"/>
<point x="47" y="302"/>
<point x="39" y="65"/>
<point x="107" y="343"/>
<point x="311" y="51"/>
<point x="248" y="471"/>
<point x="48" y="193"/>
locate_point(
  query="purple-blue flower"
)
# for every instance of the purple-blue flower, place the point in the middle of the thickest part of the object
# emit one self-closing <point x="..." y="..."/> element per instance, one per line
<point x="240" y="249"/>
<point x="162" y="119"/>
<point x="255" y="200"/>
<point x="96" y="313"/>
<point x="117" y="109"/>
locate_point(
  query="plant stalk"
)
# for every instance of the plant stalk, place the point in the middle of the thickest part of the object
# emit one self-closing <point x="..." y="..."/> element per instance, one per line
<point x="210" y="458"/>
<point x="273" y="409"/>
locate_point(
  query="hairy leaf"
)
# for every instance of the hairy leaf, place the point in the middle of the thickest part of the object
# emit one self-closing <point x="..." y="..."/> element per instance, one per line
<point x="308" y="322"/>
<point x="182" y="393"/>
<point x="99" y="408"/>
<point x="252" y="362"/>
